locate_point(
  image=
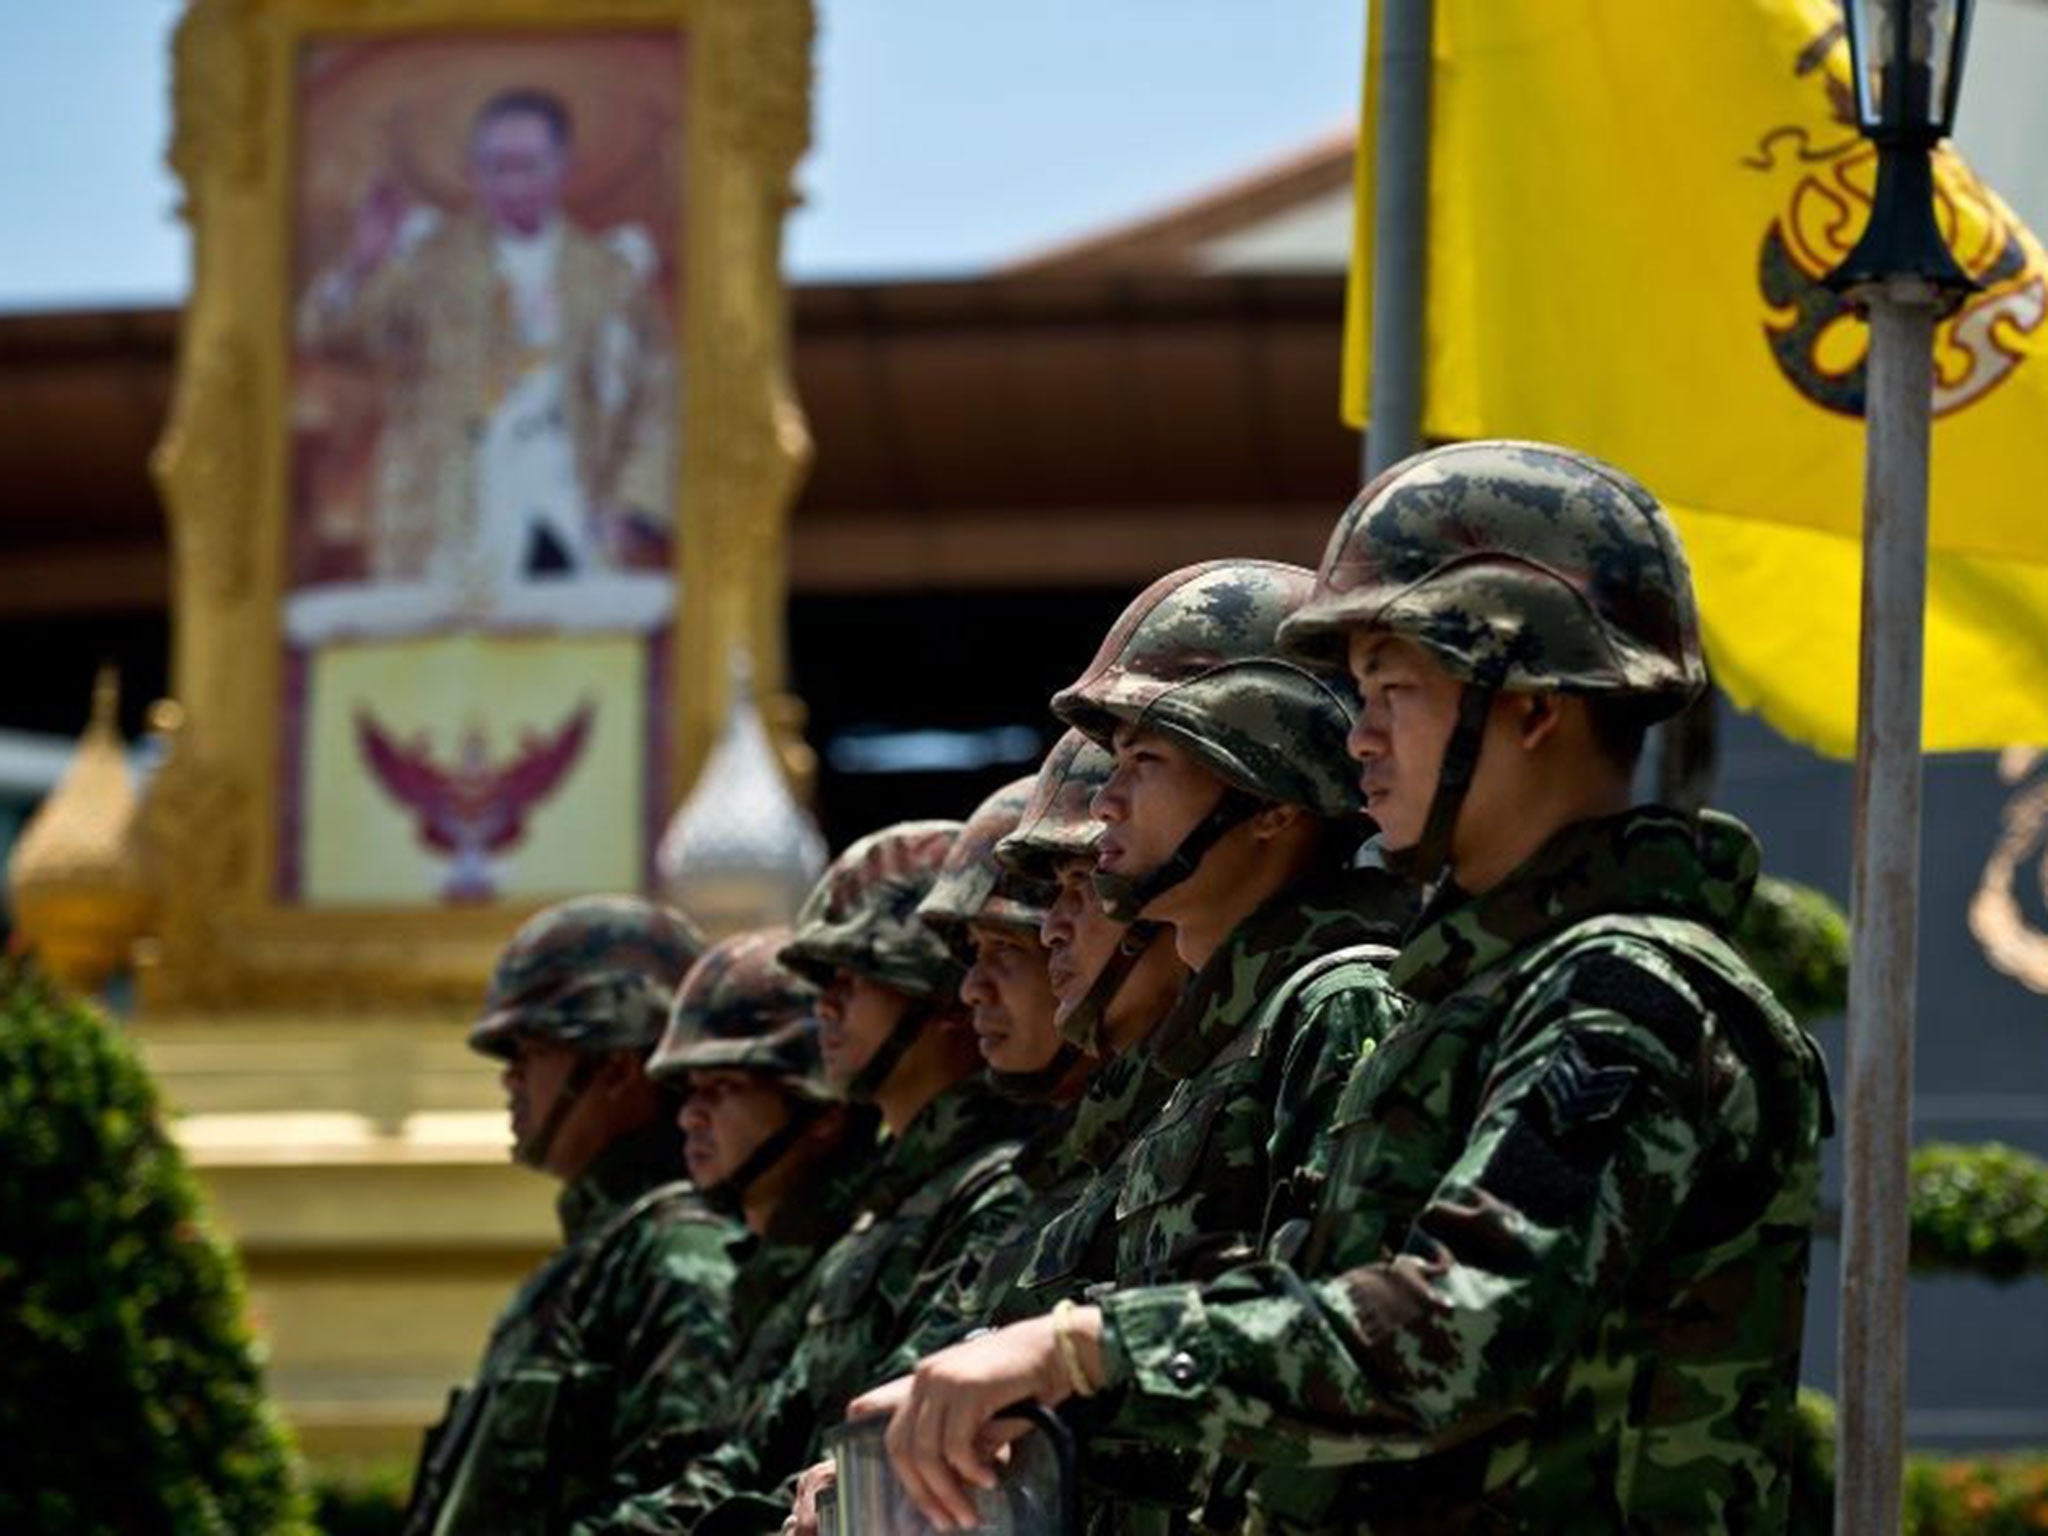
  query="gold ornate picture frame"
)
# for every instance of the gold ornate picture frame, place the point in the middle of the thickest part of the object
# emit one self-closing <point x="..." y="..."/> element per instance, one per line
<point x="239" y="924"/>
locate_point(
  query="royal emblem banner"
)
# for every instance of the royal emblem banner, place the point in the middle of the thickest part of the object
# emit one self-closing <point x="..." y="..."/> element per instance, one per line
<point x="1631" y="210"/>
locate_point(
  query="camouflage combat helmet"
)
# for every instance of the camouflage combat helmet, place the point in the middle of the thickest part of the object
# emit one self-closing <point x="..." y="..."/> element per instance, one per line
<point x="1524" y="567"/>
<point x="1059" y="824"/>
<point x="1196" y="656"/>
<point x="862" y="917"/>
<point x="597" y="973"/>
<point x="973" y="886"/>
<point x="740" y="1008"/>
<point x="1058" y="821"/>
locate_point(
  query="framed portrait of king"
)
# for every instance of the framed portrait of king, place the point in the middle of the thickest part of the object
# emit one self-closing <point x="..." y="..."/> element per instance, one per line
<point x="477" y="470"/>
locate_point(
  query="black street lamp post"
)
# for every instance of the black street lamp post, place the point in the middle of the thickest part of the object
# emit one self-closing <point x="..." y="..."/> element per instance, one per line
<point x="1907" y="56"/>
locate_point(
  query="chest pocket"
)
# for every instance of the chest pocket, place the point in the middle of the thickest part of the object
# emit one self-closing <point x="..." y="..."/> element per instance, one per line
<point x="1195" y="1180"/>
<point x="1396" y="1128"/>
<point x="1059" y="1256"/>
<point x="851" y="1289"/>
<point x="543" y="1433"/>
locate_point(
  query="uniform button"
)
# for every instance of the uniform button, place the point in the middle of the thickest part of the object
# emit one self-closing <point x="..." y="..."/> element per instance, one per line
<point x="1181" y="1370"/>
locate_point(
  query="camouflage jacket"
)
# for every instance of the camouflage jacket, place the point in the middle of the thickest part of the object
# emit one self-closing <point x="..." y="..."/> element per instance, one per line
<point x="943" y="1191"/>
<point x="770" y="1295"/>
<point x="1032" y="1265"/>
<point x="1556" y="1280"/>
<point x="1257" y="1052"/>
<point x="624" y="1330"/>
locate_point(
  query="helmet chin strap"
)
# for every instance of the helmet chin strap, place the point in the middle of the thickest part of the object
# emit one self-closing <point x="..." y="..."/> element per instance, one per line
<point x="533" y="1150"/>
<point x="1084" y="1026"/>
<point x="728" y="1195"/>
<point x="1428" y="861"/>
<point x="1125" y="897"/>
<point x="874" y="1072"/>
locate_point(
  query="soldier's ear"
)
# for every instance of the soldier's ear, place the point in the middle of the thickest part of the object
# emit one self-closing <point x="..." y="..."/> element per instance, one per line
<point x="1536" y="717"/>
<point x="1273" y="821"/>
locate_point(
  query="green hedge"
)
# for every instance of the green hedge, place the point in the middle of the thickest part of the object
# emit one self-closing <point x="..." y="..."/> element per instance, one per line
<point x="361" y="1500"/>
<point x="1981" y="1210"/>
<point x="1798" y="940"/>
<point x="130" y="1397"/>
<point x="1944" y="1495"/>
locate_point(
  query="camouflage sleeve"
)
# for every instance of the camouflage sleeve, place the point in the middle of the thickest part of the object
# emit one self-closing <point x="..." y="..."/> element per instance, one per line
<point x="662" y="1314"/>
<point x="1588" y="1137"/>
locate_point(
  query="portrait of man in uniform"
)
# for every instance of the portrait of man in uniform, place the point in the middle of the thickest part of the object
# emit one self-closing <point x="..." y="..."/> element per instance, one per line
<point x="481" y="560"/>
<point x="520" y="363"/>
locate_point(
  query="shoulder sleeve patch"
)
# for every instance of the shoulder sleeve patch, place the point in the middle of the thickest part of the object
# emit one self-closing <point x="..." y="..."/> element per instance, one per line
<point x="1630" y="988"/>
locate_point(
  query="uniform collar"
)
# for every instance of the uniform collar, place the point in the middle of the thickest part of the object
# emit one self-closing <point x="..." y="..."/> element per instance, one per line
<point x="628" y="1167"/>
<point x="949" y="1129"/>
<point x="1309" y="918"/>
<point x="1649" y="860"/>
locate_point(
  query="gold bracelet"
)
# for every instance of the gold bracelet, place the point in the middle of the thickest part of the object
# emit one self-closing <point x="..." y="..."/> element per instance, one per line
<point x="1070" y="1352"/>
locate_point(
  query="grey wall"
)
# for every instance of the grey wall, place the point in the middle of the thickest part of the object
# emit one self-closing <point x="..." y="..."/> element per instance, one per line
<point x="1977" y="1358"/>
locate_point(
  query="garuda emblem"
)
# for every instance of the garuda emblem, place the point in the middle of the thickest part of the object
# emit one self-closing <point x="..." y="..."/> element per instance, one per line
<point x="473" y="809"/>
<point x="1813" y="334"/>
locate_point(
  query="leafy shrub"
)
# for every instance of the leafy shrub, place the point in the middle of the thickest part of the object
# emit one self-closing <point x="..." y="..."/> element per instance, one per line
<point x="1798" y="940"/>
<point x="1991" y="1496"/>
<point x="130" y="1397"/>
<point x="1980" y="1209"/>
<point x="1944" y="1495"/>
<point x="361" y="1501"/>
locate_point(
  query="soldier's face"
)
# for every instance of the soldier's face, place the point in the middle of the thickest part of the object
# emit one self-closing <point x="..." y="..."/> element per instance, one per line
<point x="727" y="1114"/>
<point x="517" y="170"/>
<point x="535" y="1078"/>
<point x="1012" y="999"/>
<point x="856" y="1015"/>
<point x="1079" y="936"/>
<point x="1157" y="795"/>
<point x="1409" y="705"/>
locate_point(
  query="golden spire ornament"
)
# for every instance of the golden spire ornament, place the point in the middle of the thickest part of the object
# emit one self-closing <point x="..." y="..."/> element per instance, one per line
<point x="75" y="880"/>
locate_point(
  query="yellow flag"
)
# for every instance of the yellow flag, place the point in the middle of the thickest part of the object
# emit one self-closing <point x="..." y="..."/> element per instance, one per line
<point x="1631" y="209"/>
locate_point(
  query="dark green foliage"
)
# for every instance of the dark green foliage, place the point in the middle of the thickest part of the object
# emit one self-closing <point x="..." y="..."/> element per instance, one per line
<point x="1980" y="1209"/>
<point x="1798" y="940"/>
<point x="1813" y="1465"/>
<point x="361" y="1501"/>
<point x="1983" y="1496"/>
<point x="1944" y="1495"/>
<point x="130" y="1399"/>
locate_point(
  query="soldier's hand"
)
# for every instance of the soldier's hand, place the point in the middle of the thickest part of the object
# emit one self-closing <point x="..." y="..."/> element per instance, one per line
<point x="943" y="1438"/>
<point x="803" y="1515"/>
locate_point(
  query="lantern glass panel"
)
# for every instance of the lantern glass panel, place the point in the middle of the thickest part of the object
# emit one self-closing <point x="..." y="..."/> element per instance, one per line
<point x="1872" y="41"/>
<point x="1907" y="59"/>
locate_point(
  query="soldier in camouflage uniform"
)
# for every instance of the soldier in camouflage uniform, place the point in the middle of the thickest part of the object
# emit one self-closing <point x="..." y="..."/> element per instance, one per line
<point x="1558" y="1277"/>
<point x="894" y="1035"/>
<point x="1229" y="817"/>
<point x="626" y="1327"/>
<point x="766" y="1136"/>
<point x="990" y="917"/>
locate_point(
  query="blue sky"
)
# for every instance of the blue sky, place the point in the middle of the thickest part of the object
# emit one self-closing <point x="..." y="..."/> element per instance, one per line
<point x="950" y="133"/>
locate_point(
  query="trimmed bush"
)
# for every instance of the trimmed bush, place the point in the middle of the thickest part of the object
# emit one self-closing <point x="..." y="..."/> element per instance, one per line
<point x="361" y="1500"/>
<point x="1992" y="1496"/>
<point x="1798" y="940"/>
<point x="1982" y="1210"/>
<point x="1944" y="1495"/>
<point x="130" y="1397"/>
